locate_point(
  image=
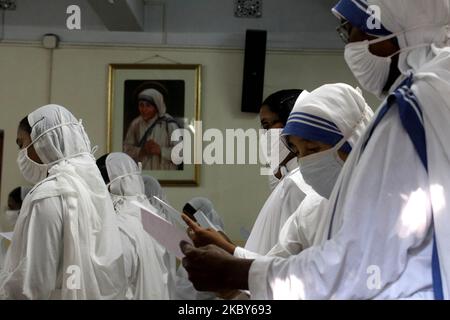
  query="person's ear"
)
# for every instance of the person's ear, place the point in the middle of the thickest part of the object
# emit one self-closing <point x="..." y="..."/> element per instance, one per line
<point x="343" y="155"/>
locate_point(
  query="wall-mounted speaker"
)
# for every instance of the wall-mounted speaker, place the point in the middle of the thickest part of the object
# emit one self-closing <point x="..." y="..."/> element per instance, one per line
<point x="254" y="66"/>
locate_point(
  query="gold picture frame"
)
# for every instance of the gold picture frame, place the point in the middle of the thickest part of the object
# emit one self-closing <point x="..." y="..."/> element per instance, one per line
<point x="179" y="86"/>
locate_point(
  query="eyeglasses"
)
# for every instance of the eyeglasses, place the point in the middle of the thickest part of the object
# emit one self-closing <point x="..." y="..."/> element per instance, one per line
<point x="266" y="125"/>
<point x="343" y="31"/>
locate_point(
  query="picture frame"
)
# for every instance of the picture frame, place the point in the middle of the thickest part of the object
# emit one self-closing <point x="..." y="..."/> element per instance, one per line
<point x="146" y="103"/>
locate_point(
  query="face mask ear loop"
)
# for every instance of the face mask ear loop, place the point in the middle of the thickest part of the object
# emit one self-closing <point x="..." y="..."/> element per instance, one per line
<point x="123" y="176"/>
<point x="51" y="129"/>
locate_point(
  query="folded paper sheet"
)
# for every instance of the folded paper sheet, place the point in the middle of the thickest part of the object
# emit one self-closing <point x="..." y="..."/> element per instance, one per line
<point x="175" y="215"/>
<point x="168" y="235"/>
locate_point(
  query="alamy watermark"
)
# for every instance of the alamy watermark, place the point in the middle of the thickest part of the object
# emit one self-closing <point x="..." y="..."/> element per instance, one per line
<point x="374" y="277"/>
<point x="230" y="147"/>
<point x="73" y="281"/>
<point x="73" y="21"/>
<point x="374" y="20"/>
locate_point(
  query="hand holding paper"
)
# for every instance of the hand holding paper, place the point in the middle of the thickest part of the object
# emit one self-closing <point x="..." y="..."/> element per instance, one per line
<point x="202" y="236"/>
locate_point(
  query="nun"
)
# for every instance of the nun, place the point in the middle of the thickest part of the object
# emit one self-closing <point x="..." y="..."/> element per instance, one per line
<point x="290" y="189"/>
<point x="66" y="242"/>
<point x="145" y="269"/>
<point x="148" y="139"/>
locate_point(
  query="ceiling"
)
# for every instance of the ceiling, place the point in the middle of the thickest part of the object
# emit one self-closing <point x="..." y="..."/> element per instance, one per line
<point x="291" y="24"/>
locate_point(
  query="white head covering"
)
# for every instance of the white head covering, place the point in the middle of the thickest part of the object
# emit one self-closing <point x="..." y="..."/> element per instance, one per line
<point x="68" y="140"/>
<point x="330" y="113"/>
<point x="124" y="175"/>
<point x="155" y="97"/>
<point x="91" y="238"/>
<point x="418" y="22"/>
<point x="207" y="208"/>
<point x="154" y="189"/>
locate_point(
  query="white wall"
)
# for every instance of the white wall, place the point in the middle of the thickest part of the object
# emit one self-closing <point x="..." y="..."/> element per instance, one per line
<point x="80" y="84"/>
<point x="207" y="23"/>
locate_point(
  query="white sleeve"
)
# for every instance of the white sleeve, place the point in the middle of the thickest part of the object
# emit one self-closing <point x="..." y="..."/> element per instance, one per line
<point x="299" y="230"/>
<point x="244" y="253"/>
<point x="384" y="226"/>
<point x="37" y="276"/>
<point x="293" y="196"/>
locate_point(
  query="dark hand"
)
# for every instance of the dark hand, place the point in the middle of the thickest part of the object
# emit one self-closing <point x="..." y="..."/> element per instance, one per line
<point x="202" y="237"/>
<point x="211" y="268"/>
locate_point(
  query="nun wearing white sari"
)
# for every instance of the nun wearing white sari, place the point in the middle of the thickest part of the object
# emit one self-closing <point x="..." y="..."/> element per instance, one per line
<point x="66" y="243"/>
<point x="387" y="227"/>
<point x="145" y="269"/>
<point x="329" y="122"/>
<point x="283" y="200"/>
<point x="388" y="221"/>
<point x="335" y="115"/>
<point x="153" y="189"/>
<point x="148" y="138"/>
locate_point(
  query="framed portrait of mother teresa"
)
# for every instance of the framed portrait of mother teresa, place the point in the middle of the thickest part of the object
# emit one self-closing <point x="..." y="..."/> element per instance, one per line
<point x="150" y="109"/>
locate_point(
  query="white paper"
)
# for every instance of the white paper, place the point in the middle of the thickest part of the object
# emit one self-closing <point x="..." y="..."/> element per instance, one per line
<point x="7" y="235"/>
<point x="176" y="215"/>
<point x="203" y="220"/>
<point x="168" y="235"/>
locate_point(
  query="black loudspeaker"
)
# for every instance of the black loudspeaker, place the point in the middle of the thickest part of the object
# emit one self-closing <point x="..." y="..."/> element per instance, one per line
<point x="254" y="66"/>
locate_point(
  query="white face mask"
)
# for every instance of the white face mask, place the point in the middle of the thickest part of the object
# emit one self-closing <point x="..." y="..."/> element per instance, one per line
<point x="11" y="217"/>
<point x="32" y="171"/>
<point x="321" y="170"/>
<point x="371" y="71"/>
